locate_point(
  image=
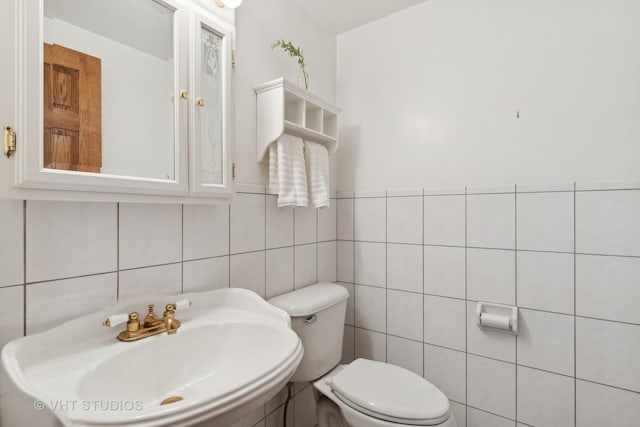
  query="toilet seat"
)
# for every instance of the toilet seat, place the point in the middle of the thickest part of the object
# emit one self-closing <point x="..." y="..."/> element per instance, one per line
<point x="390" y="393"/>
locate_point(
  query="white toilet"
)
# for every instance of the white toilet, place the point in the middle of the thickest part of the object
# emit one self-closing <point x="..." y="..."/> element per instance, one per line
<point x="363" y="393"/>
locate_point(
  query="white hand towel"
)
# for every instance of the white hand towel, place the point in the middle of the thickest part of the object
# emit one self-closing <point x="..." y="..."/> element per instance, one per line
<point x="317" y="160"/>
<point x="287" y="173"/>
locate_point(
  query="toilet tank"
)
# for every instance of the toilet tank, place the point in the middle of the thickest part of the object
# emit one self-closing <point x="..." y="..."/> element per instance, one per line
<point x="317" y="316"/>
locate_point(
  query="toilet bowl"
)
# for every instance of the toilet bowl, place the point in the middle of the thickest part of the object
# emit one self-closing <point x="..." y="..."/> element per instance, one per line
<point x="363" y="393"/>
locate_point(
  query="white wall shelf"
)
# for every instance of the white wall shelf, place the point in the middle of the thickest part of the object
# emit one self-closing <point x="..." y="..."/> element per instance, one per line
<point x="283" y="107"/>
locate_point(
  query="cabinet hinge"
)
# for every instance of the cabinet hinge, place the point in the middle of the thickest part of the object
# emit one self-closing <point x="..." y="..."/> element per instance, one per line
<point x="9" y="141"/>
<point x="233" y="59"/>
<point x="233" y="171"/>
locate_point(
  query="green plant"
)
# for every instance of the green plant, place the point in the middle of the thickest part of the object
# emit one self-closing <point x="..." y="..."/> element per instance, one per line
<point x="294" y="52"/>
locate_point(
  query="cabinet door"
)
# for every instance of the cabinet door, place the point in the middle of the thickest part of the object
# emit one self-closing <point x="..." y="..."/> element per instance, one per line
<point x="211" y="131"/>
<point x="100" y="106"/>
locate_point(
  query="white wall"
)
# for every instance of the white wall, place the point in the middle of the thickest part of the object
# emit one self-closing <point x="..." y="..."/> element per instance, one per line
<point x="436" y="88"/>
<point x="259" y="23"/>
<point x="137" y="106"/>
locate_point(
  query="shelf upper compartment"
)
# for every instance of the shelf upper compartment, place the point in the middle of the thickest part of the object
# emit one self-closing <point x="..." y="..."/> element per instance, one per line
<point x="283" y="107"/>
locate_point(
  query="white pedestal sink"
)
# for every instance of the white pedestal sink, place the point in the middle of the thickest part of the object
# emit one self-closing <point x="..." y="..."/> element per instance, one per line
<point x="233" y="352"/>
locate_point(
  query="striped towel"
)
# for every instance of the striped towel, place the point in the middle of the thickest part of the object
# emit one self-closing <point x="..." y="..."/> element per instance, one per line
<point x="287" y="173"/>
<point x="317" y="160"/>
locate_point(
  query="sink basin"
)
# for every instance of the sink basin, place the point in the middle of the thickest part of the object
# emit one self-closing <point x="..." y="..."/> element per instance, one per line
<point x="233" y="352"/>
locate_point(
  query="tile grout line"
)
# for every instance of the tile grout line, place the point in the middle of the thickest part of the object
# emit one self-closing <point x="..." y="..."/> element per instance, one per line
<point x="182" y="251"/>
<point x="353" y="267"/>
<point x="575" y="321"/>
<point x="515" y="282"/>
<point x="24" y="268"/>
<point x="424" y="355"/>
<point x="229" y="244"/>
<point x="386" y="277"/>
<point x="117" y="251"/>
<point x="466" y="311"/>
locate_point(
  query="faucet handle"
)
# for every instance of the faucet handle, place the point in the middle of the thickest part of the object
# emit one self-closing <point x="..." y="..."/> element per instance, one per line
<point x="115" y="320"/>
<point x="182" y="304"/>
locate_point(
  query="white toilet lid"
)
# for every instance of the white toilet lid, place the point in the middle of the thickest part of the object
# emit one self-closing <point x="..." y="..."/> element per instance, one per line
<point x="390" y="393"/>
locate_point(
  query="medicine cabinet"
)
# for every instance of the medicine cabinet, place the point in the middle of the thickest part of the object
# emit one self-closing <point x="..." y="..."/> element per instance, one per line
<point x="120" y="100"/>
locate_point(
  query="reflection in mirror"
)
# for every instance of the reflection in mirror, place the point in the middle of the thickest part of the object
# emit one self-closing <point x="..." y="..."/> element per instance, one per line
<point x="109" y="87"/>
<point x="210" y="102"/>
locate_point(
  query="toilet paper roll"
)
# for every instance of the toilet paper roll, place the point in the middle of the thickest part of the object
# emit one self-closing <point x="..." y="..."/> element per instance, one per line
<point x="495" y="321"/>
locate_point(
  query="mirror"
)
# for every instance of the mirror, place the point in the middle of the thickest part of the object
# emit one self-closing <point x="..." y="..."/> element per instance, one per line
<point x="109" y="86"/>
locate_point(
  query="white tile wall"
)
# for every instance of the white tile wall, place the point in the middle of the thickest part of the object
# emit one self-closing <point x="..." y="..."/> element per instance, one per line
<point x="81" y="257"/>
<point x="148" y="234"/>
<point x="545" y="399"/>
<point x="404" y="267"/>
<point x="579" y="340"/>
<point x="404" y="219"/>
<point x="72" y="239"/>
<point x="12" y="242"/>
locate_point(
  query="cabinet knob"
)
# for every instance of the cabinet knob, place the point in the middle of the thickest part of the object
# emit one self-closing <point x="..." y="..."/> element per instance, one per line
<point x="184" y="94"/>
<point x="201" y="102"/>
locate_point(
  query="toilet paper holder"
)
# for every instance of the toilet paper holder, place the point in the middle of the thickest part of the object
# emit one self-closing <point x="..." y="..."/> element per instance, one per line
<point x="497" y="317"/>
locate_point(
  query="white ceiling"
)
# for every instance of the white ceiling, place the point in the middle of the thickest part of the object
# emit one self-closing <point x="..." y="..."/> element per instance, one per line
<point x="340" y="16"/>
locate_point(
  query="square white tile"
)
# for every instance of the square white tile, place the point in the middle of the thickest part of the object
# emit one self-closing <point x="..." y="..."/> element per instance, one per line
<point x="489" y="342"/>
<point x="607" y="287"/>
<point x="404" y="267"/>
<point x="12" y="315"/>
<point x="545" y="221"/>
<point x="150" y="234"/>
<point x="444" y="322"/>
<point x="205" y="274"/>
<point x="345" y="219"/>
<point x="305" y="221"/>
<point x="545" y="341"/>
<point x="370" y="345"/>
<point x="491" y="386"/>
<point x="159" y="280"/>
<point x="350" y="315"/>
<point x="607" y="222"/>
<point x="327" y="222"/>
<point x="12" y="242"/>
<point x="305" y="408"/>
<point x="348" y="345"/>
<point x="608" y="353"/>
<point x="279" y="229"/>
<point x="545" y="281"/>
<point x="327" y="261"/>
<point x="447" y="370"/>
<point x="305" y="265"/>
<point x="459" y="413"/>
<point x="50" y="304"/>
<point x="66" y="239"/>
<point x="491" y="221"/>
<point x="545" y="399"/>
<point x="405" y="353"/>
<point x="370" y="264"/>
<point x="491" y="276"/>
<point x="248" y="213"/>
<point x="404" y="220"/>
<point x="206" y="231"/>
<point x="345" y="261"/>
<point x="248" y="271"/>
<point x="370" y="219"/>
<point x="371" y="308"/>
<point x="404" y="314"/>
<point x="477" y="418"/>
<point x="598" y="405"/>
<point x="444" y="271"/>
<point x="444" y="220"/>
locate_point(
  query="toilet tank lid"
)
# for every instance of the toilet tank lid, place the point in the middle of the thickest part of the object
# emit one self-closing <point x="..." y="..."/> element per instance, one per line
<point x="311" y="299"/>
